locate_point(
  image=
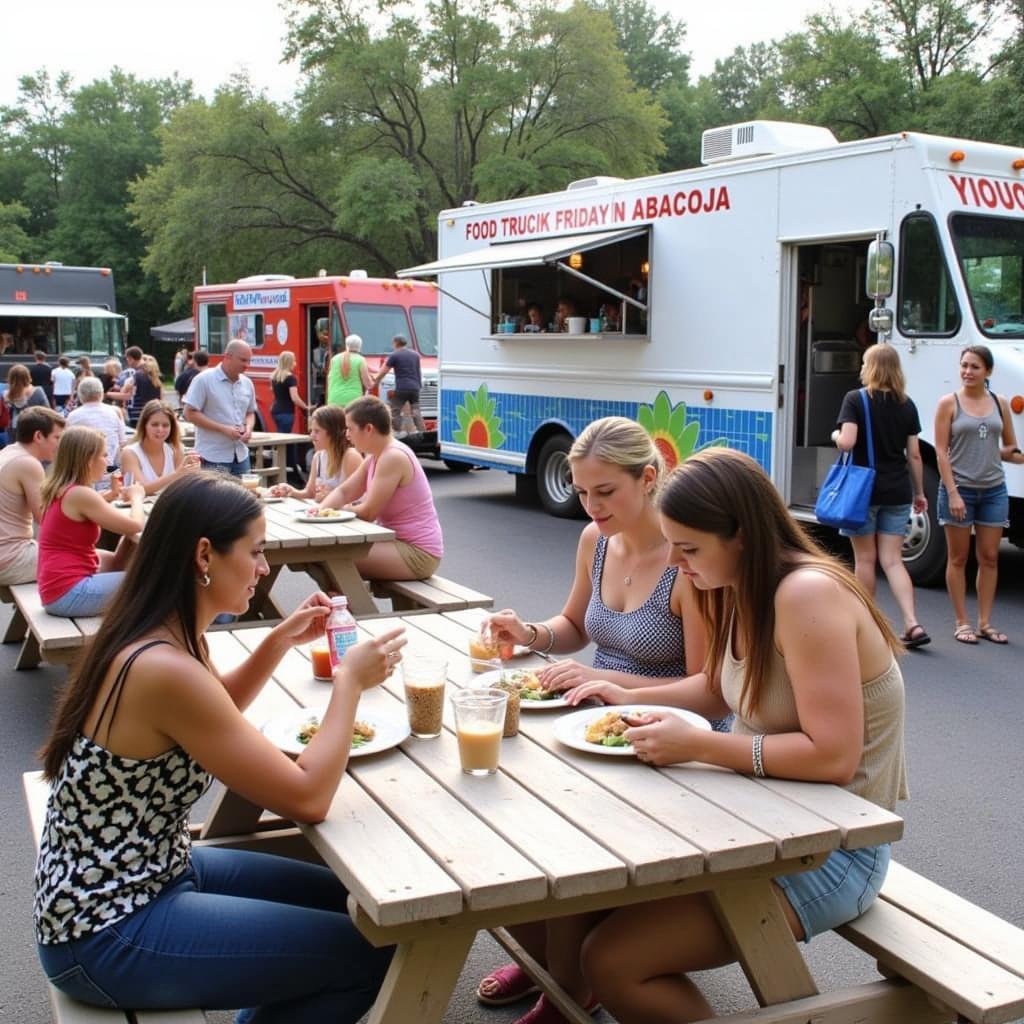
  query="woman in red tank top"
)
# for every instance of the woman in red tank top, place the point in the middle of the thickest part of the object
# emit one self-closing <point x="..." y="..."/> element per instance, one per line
<point x="75" y="579"/>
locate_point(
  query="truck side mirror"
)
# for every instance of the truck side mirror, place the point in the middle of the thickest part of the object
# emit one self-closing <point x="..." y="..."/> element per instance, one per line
<point x="880" y="262"/>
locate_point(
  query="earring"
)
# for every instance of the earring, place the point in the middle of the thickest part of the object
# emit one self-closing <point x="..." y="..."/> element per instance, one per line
<point x="204" y="580"/>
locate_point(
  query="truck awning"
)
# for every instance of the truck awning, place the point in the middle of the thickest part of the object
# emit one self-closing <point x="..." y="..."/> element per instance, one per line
<point x="534" y="253"/>
<point x="89" y="312"/>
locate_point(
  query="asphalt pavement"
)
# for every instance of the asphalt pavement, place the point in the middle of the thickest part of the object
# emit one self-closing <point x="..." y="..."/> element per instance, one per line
<point x="965" y="709"/>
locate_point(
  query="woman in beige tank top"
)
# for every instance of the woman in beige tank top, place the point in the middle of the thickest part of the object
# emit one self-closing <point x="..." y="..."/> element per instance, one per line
<point x="798" y="651"/>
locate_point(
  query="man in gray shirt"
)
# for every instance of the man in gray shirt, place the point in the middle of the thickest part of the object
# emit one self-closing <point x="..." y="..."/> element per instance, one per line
<point x="221" y="403"/>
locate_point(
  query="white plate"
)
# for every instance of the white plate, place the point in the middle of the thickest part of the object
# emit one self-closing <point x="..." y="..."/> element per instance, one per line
<point x="270" y="499"/>
<point x="283" y="731"/>
<point x="343" y="516"/>
<point x="571" y="729"/>
<point x="494" y="676"/>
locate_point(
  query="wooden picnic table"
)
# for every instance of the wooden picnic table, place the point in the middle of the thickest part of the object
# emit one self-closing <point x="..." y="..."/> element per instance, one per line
<point x="273" y="472"/>
<point x="430" y="855"/>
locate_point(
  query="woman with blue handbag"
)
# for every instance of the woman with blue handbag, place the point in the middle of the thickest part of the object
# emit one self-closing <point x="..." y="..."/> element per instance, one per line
<point x="893" y="429"/>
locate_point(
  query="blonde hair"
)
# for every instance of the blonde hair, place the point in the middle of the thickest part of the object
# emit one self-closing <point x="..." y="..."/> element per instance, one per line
<point x="882" y="371"/>
<point x="153" y="408"/>
<point x="78" y="447"/>
<point x="619" y="442"/>
<point x="19" y="380"/>
<point x="151" y="369"/>
<point x="285" y="365"/>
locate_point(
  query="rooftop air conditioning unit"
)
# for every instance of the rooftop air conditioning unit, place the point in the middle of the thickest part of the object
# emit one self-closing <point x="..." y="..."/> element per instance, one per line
<point x="264" y="278"/>
<point x="358" y="275"/>
<point x="598" y="179"/>
<point x="761" y="138"/>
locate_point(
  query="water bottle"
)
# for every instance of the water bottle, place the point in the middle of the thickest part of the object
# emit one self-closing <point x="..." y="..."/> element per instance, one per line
<point x="341" y="630"/>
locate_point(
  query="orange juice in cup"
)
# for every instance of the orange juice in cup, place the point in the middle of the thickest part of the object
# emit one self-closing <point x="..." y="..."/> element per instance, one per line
<point x="320" y="654"/>
<point x="483" y="650"/>
<point x="479" y="720"/>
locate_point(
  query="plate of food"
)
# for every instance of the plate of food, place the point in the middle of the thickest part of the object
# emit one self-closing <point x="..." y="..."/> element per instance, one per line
<point x="602" y="730"/>
<point x="532" y="696"/>
<point x="370" y="735"/>
<point x="267" y="497"/>
<point x="324" y="515"/>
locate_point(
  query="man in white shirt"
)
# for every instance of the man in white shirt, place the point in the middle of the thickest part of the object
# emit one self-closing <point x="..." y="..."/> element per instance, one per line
<point x="21" y="478"/>
<point x="93" y="413"/>
<point x="62" y="379"/>
<point x="221" y="403"/>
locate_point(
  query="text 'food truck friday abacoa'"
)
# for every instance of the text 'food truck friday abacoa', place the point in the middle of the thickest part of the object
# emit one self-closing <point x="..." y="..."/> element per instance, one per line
<point x="276" y="313"/>
<point x="726" y="305"/>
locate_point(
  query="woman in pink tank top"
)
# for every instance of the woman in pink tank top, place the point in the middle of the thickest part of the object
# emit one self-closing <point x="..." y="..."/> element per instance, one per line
<point x="389" y="488"/>
<point x="76" y="580"/>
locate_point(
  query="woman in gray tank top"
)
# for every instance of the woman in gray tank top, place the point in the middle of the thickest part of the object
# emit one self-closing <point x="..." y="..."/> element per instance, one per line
<point x="974" y="436"/>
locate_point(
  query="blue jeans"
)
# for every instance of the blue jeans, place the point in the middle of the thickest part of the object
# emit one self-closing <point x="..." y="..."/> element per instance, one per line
<point x="89" y="596"/>
<point x="235" y="468"/>
<point x="239" y="929"/>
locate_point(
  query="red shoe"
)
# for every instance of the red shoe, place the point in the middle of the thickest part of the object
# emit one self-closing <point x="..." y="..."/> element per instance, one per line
<point x="506" y="985"/>
<point x="544" y="1012"/>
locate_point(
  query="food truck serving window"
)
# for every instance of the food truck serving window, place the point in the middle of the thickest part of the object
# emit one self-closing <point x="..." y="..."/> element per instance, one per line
<point x="376" y="325"/>
<point x="990" y="251"/>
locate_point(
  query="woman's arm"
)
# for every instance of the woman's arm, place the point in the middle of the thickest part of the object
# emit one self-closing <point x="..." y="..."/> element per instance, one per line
<point x="846" y="437"/>
<point x="293" y="394"/>
<point x="916" y="467"/>
<point x="85" y="503"/>
<point x="943" y="425"/>
<point x="350" y="489"/>
<point x="691" y="692"/>
<point x="365" y="378"/>
<point x="392" y="467"/>
<point x="1008" y="450"/>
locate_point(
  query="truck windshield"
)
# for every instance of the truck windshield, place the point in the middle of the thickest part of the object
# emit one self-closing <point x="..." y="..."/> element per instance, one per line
<point x="424" y="319"/>
<point x="376" y="325"/>
<point x="990" y="251"/>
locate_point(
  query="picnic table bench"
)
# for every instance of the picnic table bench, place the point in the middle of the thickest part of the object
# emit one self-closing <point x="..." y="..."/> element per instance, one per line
<point x="44" y="637"/>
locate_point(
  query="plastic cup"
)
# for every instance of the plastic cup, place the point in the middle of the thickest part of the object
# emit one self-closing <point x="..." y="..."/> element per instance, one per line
<point x="483" y="652"/>
<point x="479" y="721"/>
<point x="320" y="653"/>
<point x="251" y="481"/>
<point x="424" y="680"/>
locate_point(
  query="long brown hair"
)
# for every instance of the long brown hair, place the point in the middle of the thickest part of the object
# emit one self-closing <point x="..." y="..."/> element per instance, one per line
<point x="78" y="447"/>
<point x="725" y="492"/>
<point x="331" y="419"/>
<point x="151" y="409"/>
<point x="19" y="380"/>
<point x="882" y="371"/>
<point x="159" y="589"/>
<point x="151" y="368"/>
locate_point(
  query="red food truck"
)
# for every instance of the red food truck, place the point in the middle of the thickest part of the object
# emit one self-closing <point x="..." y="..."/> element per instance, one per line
<point x="275" y="313"/>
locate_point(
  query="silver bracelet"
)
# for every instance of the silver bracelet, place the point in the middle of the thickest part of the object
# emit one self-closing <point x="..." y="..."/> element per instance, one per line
<point x="533" y="634"/>
<point x="551" y="638"/>
<point x="758" y="758"/>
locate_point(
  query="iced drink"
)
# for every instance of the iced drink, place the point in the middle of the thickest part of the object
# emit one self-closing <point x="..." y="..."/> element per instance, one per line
<point x="483" y="653"/>
<point x="424" y="695"/>
<point x="479" y="720"/>
<point x="321" y="657"/>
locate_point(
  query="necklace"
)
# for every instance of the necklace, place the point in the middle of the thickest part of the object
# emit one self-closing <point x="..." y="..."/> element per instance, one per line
<point x="627" y="580"/>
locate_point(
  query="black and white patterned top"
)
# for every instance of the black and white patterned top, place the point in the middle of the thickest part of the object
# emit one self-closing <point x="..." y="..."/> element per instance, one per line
<point x="116" y="833"/>
<point x="647" y="641"/>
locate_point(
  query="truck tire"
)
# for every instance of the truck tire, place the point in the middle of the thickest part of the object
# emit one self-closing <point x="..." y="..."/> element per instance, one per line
<point x="924" y="547"/>
<point x="553" y="483"/>
<point x="457" y="467"/>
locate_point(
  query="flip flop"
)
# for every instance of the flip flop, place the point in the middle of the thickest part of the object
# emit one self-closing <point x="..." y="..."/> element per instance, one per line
<point x="990" y="633"/>
<point x="509" y="984"/>
<point x="964" y="633"/>
<point x="916" y="636"/>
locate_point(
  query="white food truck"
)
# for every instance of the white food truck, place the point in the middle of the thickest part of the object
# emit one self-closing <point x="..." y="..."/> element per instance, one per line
<point x="727" y="304"/>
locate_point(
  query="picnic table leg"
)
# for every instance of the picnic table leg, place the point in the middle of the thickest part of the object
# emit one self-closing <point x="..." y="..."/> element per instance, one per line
<point x="31" y="655"/>
<point x="421" y="979"/>
<point x="16" y="627"/>
<point x="230" y="815"/>
<point x="262" y="601"/>
<point x="345" y="579"/>
<point x="754" y="922"/>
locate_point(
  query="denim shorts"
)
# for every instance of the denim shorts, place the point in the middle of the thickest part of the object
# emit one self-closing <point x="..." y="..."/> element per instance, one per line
<point x="837" y="892"/>
<point x="892" y="519"/>
<point x="986" y="506"/>
<point x="89" y="596"/>
<point x="239" y="467"/>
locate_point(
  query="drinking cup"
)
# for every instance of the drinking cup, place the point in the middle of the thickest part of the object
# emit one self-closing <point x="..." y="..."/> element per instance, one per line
<point x="483" y="651"/>
<point x="251" y="481"/>
<point x="320" y="653"/>
<point x="479" y="721"/>
<point x="424" y="680"/>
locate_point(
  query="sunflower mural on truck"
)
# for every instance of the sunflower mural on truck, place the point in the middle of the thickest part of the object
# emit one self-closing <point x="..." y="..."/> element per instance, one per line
<point x="478" y="426"/>
<point x="673" y="436"/>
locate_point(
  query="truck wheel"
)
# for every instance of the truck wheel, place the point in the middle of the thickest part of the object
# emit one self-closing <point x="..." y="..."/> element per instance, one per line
<point x="924" y="547"/>
<point x="553" y="482"/>
<point x="458" y="467"/>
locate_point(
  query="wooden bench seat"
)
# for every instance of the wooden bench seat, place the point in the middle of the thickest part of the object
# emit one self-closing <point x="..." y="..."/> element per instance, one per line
<point x="961" y="955"/>
<point x="435" y="594"/>
<point x="65" y="1009"/>
<point x="45" y="637"/>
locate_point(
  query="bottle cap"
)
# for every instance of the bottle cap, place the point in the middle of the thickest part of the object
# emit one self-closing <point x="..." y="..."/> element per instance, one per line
<point x="339" y="601"/>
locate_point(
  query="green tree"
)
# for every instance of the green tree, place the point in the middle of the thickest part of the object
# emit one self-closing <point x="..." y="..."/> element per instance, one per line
<point x="15" y="244"/>
<point x="651" y="43"/>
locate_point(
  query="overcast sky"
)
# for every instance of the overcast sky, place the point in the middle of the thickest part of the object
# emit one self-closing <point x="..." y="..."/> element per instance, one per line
<point x="208" y="40"/>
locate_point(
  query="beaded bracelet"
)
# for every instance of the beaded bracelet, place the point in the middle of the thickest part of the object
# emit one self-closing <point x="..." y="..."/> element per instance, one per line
<point x="758" y="758"/>
<point x="533" y="634"/>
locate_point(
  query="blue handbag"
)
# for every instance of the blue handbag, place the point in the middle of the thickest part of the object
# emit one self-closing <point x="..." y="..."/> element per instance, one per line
<point x="845" y="496"/>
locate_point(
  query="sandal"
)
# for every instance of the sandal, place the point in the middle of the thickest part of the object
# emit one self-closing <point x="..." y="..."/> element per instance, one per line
<point x="916" y="636"/>
<point x="506" y="985"/>
<point x="965" y="634"/>
<point x="544" y="1012"/>
<point x="990" y="633"/>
